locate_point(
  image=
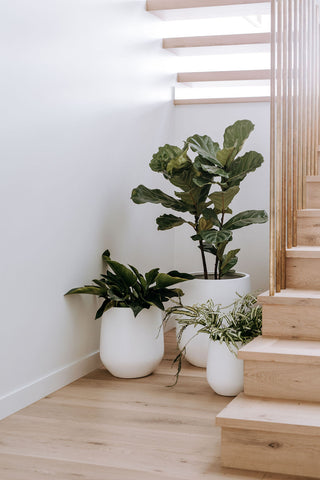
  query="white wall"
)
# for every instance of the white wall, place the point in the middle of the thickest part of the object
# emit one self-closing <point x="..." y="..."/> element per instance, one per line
<point x="85" y="101"/>
<point x="254" y="190"/>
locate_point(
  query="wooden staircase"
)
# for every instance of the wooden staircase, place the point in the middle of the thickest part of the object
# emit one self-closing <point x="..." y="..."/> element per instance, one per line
<point x="274" y="426"/>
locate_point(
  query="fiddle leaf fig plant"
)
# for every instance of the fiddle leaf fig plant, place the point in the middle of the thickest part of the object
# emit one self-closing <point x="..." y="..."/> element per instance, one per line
<point x="206" y="179"/>
<point x="128" y="288"/>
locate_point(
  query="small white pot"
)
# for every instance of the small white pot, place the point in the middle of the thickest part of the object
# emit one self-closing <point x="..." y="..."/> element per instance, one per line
<point x="224" y="369"/>
<point x="131" y="347"/>
<point x="222" y="292"/>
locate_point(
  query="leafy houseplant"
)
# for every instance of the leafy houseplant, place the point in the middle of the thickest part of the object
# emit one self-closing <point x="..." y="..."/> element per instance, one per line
<point x="212" y="167"/>
<point x="131" y="337"/>
<point x="232" y="326"/>
<point x="127" y="288"/>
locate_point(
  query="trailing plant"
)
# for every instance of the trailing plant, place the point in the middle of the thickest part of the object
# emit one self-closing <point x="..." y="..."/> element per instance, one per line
<point x="234" y="325"/>
<point x="125" y="287"/>
<point x="210" y="167"/>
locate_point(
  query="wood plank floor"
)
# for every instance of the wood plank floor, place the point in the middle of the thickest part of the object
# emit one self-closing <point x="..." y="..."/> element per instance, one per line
<point x="104" y="428"/>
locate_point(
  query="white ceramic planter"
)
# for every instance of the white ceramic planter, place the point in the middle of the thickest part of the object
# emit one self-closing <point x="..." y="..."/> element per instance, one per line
<point x="222" y="291"/>
<point x="131" y="347"/>
<point x="224" y="370"/>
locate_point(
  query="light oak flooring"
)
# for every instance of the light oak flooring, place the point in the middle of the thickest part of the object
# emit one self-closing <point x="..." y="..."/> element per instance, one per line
<point x="104" y="428"/>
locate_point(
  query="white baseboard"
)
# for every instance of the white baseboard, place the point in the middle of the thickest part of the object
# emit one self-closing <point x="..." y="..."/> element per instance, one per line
<point x="28" y="394"/>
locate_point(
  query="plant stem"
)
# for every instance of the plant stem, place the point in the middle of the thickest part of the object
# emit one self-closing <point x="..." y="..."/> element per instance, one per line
<point x="216" y="269"/>
<point x="204" y="263"/>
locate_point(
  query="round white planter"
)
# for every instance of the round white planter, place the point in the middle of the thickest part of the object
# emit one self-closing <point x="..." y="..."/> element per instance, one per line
<point x="222" y="292"/>
<point x="131" y="347"/>
<point x="224" y="370"/>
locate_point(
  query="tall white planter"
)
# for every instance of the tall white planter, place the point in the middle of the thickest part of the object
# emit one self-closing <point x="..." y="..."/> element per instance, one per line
<point x="131" y="347"/>
<point x="222" y="291"/>
<point x="224" y="369"/>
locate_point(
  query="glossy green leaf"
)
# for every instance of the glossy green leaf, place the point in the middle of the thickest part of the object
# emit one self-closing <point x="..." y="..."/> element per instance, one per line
<point x="211" y="215"/>
<point x="235" y="135"/>
<point x="87" y="289"/>
<point x="248" y="217"/>
<point x="204" y="146"/>
<point x="142" y="194"/>
<point x="151" y="276"/>
<point x="229" y="261"/>
<point x="164" y="155"/>
<point x="106" y="305"/>
<point x="166" y="222"/>
<point x="216" y="236"/>
<point x="128" y="277"/>
<point x="222" y="199"/>
<point x="185" y="276"/>
<point x="226" y="155"/>
<point x="241" y="166"/>
<point x="164" y="280"/>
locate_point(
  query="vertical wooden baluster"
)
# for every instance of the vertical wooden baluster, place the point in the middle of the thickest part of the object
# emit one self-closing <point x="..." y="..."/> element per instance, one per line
<point x="301" y="109"/>
<point x="272" y="251"/>
<point x="284" y="140"/>
<point x="289" y="131"/>
<point x="279" y="151"/>
<point x="295" y="122"/>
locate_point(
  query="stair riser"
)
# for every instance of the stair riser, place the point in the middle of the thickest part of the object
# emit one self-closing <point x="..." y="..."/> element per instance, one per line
<point x="291" y="321"/>
<point x="312" y="194"/>
<point x="308" y="231"/>
<point x="303" y="273"/>
<point x="272" y="452"/>
<point x="291" y="381"/>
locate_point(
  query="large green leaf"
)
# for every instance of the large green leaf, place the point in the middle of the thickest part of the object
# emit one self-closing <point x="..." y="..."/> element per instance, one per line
<point x="128" y="277"/>
<point x="165" y="222"/>
<point x="210" y="215"/>
<point x="216" y="236"/>
<point x="214" y="170"/>
<point x="235" y="135"/>
<point x="248" y="217"/>
<point x="87" y="289"/>
<point x="229" y="261"/>
<point x="164" y="280"/>
<point x="241" y="166"/>
<point x="142" y="194"/>
<point x="226" y="155"/>
<point x="151" y="276"/>
<point x="164" y="155"/>
<point x="185" y="276"/>
<point x="222" y="200"/>
<point x="204" y="146"/>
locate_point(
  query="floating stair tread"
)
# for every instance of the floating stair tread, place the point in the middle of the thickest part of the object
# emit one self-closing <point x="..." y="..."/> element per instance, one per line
<point x="313" y="178"/>
<point x="225" y="76"/>
<point x="303" y="252"/>
<point x="256" y="413"/>
<point x="177" y="4"/>
<point x="309" y="212"/>
<point x="217" y="40"/>
<point x="291" y="296"/>
<point x="207" y="101"/>
<point x="281" y="350"/>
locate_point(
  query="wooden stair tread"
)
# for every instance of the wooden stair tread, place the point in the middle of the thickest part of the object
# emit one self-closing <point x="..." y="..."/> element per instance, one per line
<point x="282" y="350"/>
<point x="255" y="413"/>
<point x="309" y="212"/>
<point x="291" y="296"/>
<point x="313" y="178"/>
<point x="180" y="4"/>
<point x="217" y="40"/>
<point x="303" y="252"/>
<point x="226" y="76"/>
<point x="207" y="101"/>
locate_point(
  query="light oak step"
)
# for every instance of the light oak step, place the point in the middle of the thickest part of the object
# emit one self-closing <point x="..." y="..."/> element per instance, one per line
<point x="291" y="313"/>
<point x="269" y="435"/>
<point x="205" y="101"/>
<point x="217" y="40"/>
<point x="225" y="76"/>
<point x="303" y="268"/>
<point x="308" y="227"/>
<point x="313" y="191"/>
<point x="280" y="368"/>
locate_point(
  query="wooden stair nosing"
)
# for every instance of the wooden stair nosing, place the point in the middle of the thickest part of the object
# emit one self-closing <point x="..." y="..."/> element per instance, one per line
<point x="217" y="40"/>
<point x="292" y="297"/>
<point x="268" y="414"/>
<point x="272" y="349"/>
<point x="308" y="212"/>
<point x="303" y="252"/>
<point x="235" y="75"/>
<point x="181" y="4"/>
<point x="209" y="101"/>
<point x="313" y="178"/>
